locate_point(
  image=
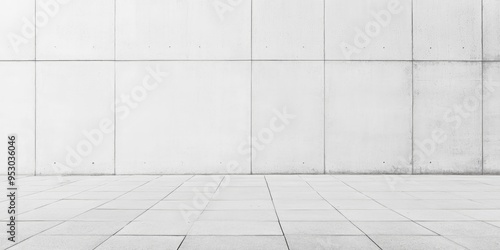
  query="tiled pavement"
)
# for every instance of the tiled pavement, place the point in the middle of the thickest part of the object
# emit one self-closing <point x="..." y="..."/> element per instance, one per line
<point x="257" y="212"/>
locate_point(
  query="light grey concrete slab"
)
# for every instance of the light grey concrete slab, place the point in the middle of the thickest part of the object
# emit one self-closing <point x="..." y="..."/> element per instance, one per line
<point x="298" y="242"/>
<point x="86" y="228"/>
<point x="372" y="215"/>
<point x="141" y="242"/>
<point x="415" y="242"/>
<point x="206" y="134"/>
<point x="235" y="228"/>
<point x="239" y="215"/>
<point x="491" y="30"/>
<point x="368" y="30"/>
<point x="65" y="37"/>
<point x="58" y="242"/>
<point x="469" y="229"/>
<point x="75" y="136"/>
<point x="287" y="117"/>
<point x="319" y="228"/>
<point x="17" y="101"/>
<point x="309" y="215"/>
<point x="368" y="117"/>
<point x="392" y="228"/>
<point x="491" y="119"/>
<point x="457" y="35"/>
<point x="300" y="25"/>
<point x="447" y="119"/>
<point x="234" y="242"/>
<point x="19" y="42"/>
<point x="161" y="30"/>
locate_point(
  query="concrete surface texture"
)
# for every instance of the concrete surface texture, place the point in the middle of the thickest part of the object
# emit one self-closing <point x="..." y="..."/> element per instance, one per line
<point x="251" y="86"/>
<point x="258" y="212"/>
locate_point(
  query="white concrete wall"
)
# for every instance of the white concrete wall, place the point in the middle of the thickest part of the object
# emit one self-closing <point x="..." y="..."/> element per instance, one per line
<point x="251" y="86"/>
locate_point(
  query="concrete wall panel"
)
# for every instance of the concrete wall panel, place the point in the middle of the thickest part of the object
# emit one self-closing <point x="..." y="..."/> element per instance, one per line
<point x="193" y="121"/>
<point x="75" y="30"/>
<point x="447" y="118"/>
<point x="447" y="29"/>
<point x="368" y="117"/>
<point x="491" y="112"/>
<point x="17" y="35"/>
<point x="287" y="29"/>
<point x="368" y="30"/>
<point x="17" y="112"/>
<point x="75" y="117"/>
<point x="157" y="29"/>
<point x="491" y="29"/>
<point x="287" y="117"/>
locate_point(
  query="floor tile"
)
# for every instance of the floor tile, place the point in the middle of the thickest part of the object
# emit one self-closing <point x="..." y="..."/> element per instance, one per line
<point x="392" y="228"/>
<point x="491" y="215"/>
<point x="485" y="243"/>
<point x="86" y="228"/>
<point x="372" y="215"/>
<point x="128" y="204"/>
<point x="108" y="215"/>
<point x="238" y="215"/>
<point x="141" y="242"/>
<point x="343" y="196"/>
<point x="472" y="228"/>
<point x="434" y="215"/>
<point x="280" y="195"/>
<point x="310" y="215"/>
<point x="319" y="228"/>
<point x="169" y="215"/>
<point x="177" y="195"/>
<point x="303" y="204"/>
<point x="355" y="204"/>
<point x="246" y="205"/>
<point x="235" y="228"/>
<point x="143" y="196"/>
<point x="26" y="229"/>
<point x="181" y="205"/>
<point x="53" y="242"/>
<point x="395" y="242"/>
<point x="299" y="242"/>
<point x="234" y="242"/>
<point x="49" y="214"/>
<point x="96" y="195"/>
<point x="156" y="228"/>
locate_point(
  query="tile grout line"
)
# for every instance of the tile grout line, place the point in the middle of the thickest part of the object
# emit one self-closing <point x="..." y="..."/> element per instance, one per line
<point x="411" y="220"/>
<point x="211" y="197"/>
<point x="62" y="221"/>
<point x="324" y="86"/>
<point x="114" y="91"/>
<point x="482" y="87"/>
<point x="243" y="60"/>
<point x="322" y="197"/>
<point x="36" y="149"/>
<point x="412" y="94"/>
<point x="145" y="210"/>
<point x="276" y="213"/>
<point x="251" y="86"/>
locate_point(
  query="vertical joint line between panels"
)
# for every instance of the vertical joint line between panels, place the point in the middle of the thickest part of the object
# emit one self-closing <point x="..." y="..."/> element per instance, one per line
<point x="251" y="85"/>
<point x="482" y="87"/>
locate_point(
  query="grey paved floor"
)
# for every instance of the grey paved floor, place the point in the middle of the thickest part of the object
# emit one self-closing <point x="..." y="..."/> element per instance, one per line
<point x="257" y="212"/>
